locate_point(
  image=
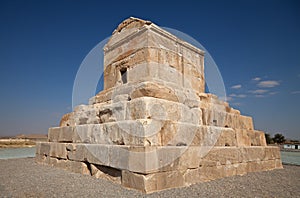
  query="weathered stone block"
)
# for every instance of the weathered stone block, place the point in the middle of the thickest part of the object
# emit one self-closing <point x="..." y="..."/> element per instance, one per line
<point x="43" y="148"/>
<point x="153" y="182"/>
<point x="154" y="90"/>
<point x="107" y="173"/>
<point x="227" y="138"/>
<point x="272" y="152"/>
<point x="62" y="134"/>
<point x="58" y="150"/>
<point x="250" y="154"/>
<point x="221" y="156"/>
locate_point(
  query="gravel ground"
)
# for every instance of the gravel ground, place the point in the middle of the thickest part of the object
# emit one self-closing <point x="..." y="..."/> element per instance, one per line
<point x="25" y="178"/>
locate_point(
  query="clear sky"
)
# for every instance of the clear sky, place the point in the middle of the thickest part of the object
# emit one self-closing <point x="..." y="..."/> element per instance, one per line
<point x="254" y="43"/>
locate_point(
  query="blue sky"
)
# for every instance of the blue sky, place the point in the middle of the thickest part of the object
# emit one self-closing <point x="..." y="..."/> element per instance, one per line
<point x="254" y="43"/>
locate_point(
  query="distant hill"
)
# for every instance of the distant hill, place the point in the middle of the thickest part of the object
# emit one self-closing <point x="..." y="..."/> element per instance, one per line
<point x="27" y="136"/>
<point x="22" y="140"/>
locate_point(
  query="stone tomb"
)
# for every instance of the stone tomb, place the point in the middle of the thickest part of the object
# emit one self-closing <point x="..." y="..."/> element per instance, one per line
<point x="153" y="126"/>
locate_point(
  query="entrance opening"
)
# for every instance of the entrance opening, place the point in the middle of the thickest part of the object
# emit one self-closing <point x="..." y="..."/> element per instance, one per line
<point x="123" y="72"/>
<point x="296" y="146"/>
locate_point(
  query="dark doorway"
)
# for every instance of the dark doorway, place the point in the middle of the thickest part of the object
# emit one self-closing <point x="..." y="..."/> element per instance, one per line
<point x="296" y="146"/>
<point x="123" y="72"/>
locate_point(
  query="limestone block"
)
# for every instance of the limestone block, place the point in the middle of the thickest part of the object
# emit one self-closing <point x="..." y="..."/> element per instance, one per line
<point x="135" y="42"/>
<point x="154" y="90"/>
<point x="98" y="155"/>
<point x="272" y="152"/>
<point x="119" y="157"/>
<point x="242" y="137"/>
<point x="58" y="150"/>
<point x="278" y="164"/>
<point x="203" y="174"/>
<point x="268" y="165"/>
<point x="136" y="181"/>
<point x="53" y="134"/>
<point x="43" y="148"/>
<point x="193" y="57"/>
<point x="250" y="154"/>
<point x="257" y="138"/>
<point x="241" y="168"/>
<point x="208" y="136"/>
<point x="250" y="137"/>
<point x="125" y="29"/>
<point x="66" y="134"/>
<point x="85" y="114"/>
<point x="160" y="109"/>
<point x="218" y="115"/>
<point x="130" y="58"/>
<point x="169" y="74"/>
<point x="144" y="132"/>
<point x="134" y="132"/>
<point x="142" y="72"/>
<point x="254" y="166"/>
<point x="197" y="83"/>
<point x="165" y="158"/>
<point x="107" y="173"/>
<point x="121" y="98"/>
<point x="110" y="77"/>
<point x="101" y="97"/>
<point x="62" y="134"/>
<point x="77" y="152"/>
<point x="178" y="133"/>
<point x="92" y="153"/>
<point x="260" y="136"/>
<point x="173" y="133"/>
<point x="190" y="158"/>
<point x="92" y="133"/>
<point x="110" y="112"/>
<point x="245" y="122"/>
<point x="164" y="56"/>
<point x="158" y="39"/>
<point x="66" y="120"/>
<point x="231" y="120"/>
<point x="213" y="116"/>
<point x="192" y="69"/>
<point x="152" y="182"/>
<point x="193" y="176"/>
<point x="171" y="179"/>
<point x="221" y="156"/>
<point x="78" y="167"/>
<point x="227" y="138"/>
<point x="73" y="166"/>
<point x="123" y="89"/>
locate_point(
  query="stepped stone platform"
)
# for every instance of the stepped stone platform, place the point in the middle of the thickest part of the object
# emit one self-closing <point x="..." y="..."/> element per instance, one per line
<point x="153" y="126"/>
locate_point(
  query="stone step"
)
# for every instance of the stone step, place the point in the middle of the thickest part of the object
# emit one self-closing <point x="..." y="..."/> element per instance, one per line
<point x="146" y="160"/>
<point x="143" y="132"/>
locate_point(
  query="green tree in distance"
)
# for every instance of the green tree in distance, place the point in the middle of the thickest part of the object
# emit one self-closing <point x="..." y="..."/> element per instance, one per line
<point x="279" y="138"/>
